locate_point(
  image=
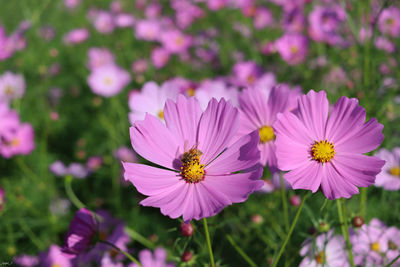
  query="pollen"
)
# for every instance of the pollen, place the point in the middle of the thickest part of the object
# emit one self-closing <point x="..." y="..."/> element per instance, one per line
<point x="266" y="134"/>
<point x="395" y="171"/>
<point x="179" y="41"/>
<point x="374" y="246"/>
<point x="294" y="49"/>
<point x="323" y="151"/>
<point x="190" y="91"/>
<point x="161" y="114"/>
<point x="9" y="90"/>
<point x="108" y="81"/>
<point x="192" y="171"/>
<point x="320" y="257"/>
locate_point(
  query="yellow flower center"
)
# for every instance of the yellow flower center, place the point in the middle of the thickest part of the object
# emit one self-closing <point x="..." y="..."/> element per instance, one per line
<point x="294" y="49"/>
<point x="390" y="22"/>
<point x="161" y="114"/>
<point x="179" y="41"/>
<point x="374" y="246"/>
<point x="320" y="257"/>
<point x="395" y="171"/>
<point x="55" y="265"/>
<point x="9" y="90"/>
<point x="190" y="91"/>
<point x="323" y="151"/>
<point x="108" y="81"/>
<point x="251" y="79"/>
<point x="192" y="170"/>
<point x="266" y="134"/>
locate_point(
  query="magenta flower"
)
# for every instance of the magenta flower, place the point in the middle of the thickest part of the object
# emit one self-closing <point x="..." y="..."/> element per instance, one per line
<point x="148" y="30"/>
<point x="125" y="154"/>
<point x="17" y="140"/>
<point x="54" y="257"/>
<point x="370" y="244"/>
<point x="322" y="150"/>
<point x="326" y="250"/>
<point x="385" y="44"/>
<point x="76" y="36"/>
<point x="246" y="73"/>
<point x="108" y="80"/>
<point x="263" y="18"/>
<point x="259" y="111"/>
<point x="160" y="57"/>
<point x="388" y="178"/>
<point x="58" y="168"/>
<point x="99" y="57"/>
<point x="124" y="20"/>
<point x="200" y="178"/>
<point x="175" y="41"/>
<point x="26" y="260"/>
<point x="147" y="259"/>
<point x="81" y="232"/>
<point x="293" y="48"/>
<point x="389" y="21"/>
<point x="11" y="86"/>
<point x="325" y="23"/>
<point x="393" y="236"/>
<point x="151" y="99"/>
<point x="103" y="21"/>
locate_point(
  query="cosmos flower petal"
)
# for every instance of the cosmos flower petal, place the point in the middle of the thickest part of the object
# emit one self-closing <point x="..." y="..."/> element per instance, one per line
<point x="150" y="180"/>
<point x="154" y="142"/>
<point x="216" y="128"/>
<point x="313" y="112"/>
<point x="169" y="201"/>
<point x="308" y="176"/>
<point x="253" y="103"/>
<point x="146" y="100"/>
<point x="241" y="155"/>
<point x="347" y="130"/>
<point x="278" y="101"/>
<point x="360" y="170"/>
<point x="292" y="142"/>
<point x="236" y="187"/>
<point x="334" y="185"/>
<point x="182" y="119"/>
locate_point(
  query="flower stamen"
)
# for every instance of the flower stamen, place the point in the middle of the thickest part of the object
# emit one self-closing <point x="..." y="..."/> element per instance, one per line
<point x="323" y="151"/>
<point x="266" y="134"/>
<point x="192" y="171"/>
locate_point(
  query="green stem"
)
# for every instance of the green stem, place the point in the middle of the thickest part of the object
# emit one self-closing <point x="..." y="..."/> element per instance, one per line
<point x="290" y="230"/>
<point x="363" y="201"/>
<point x="241" y="252"/>
<point x="284" y="203"/>
<point x="129" y="256"/>
<point x="345" y="229"/>
<point x="70" y="193"/>
<point x="393" y="261"/>
<point x="35" y="240"/>
<point x="208" y="242"/>
<point x="138" y="237"/>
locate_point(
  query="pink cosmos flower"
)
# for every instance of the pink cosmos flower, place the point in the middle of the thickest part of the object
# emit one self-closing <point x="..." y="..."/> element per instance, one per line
<point x="151" y="99"/>
<point x="72" y="4"/>
<point x="99" y="57"/>
<point x="77" y="170"/>
<point x="263" y="18"/>
<point x="124" y="20"/>
<point x="293" y="19"/>
<point x="108" y="80"/>
<point x="201" y="176"/>
<point x="216" y="4"/>
<point x="58" y="168"/>
<point x="389" y="21"/>
<point x="259" y="111"/>
<point x="81" y="232"/>
<point x="148" y="30"/>
<point x="26" y="260"/>
<point x="322" y="150"/>
<point x="12" y="86"/>
<point x="103" y="21"/>
<point x="76" y="36"/>
<point x="159" y="258"/>
<point x="246" y="73"/>
<point x="293" y="48"/>
<point x="388" y="178"/>
<point x="370" y="244"/>
<point x="215" y="89"/>
<point x="54" y="257"/>
<point x="393" y="236"/>
<point x="326" y="250"/>
<point x="325" y="22"/>
<point x="17" y="140"/>
<point x="175" y="41"/>
<point x="160" y="57"/>
<point x="125" y="154"/>
<point x="385" y="44"/>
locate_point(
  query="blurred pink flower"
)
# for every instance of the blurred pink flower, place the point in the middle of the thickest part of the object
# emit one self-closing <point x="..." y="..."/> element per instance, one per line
<point x="389" y="177"/>
<point x="99" y="57"/>
<point x="158" y="258"/>
<point x="54" y="257"/>
<point x="209" y="89"/>
<point x="148" y="30"/>
<point x="76" y="36"/>
<point x="175" y="41"/>
<point x="389" y="21"/>
<point x="293" y="48"/>
<point x="263" y="18"/>
<point x="108" y="80"/>
<point x="160" y="57"/>
<point x="12" y="86"/>
<point x="103" y="21"/>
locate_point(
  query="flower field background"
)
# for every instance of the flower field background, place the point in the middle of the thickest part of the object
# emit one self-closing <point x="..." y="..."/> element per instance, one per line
<point x="77" y="78"/>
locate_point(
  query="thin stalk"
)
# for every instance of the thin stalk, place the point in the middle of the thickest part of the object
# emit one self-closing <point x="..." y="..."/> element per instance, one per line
<point x="276" y="260"/>
<point x="284" y="204"/>
<point x="208" y="242"/>
<point x="393" y="261"/>
<point x="241" y="252"/>
<point x="363" y="201"/>
<point x="138" y="237"/>
<point x="129" y="256"/>
<point x="28" y="231"/>
<point x="345" y="229"/>
<point x="70" y="193"/>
